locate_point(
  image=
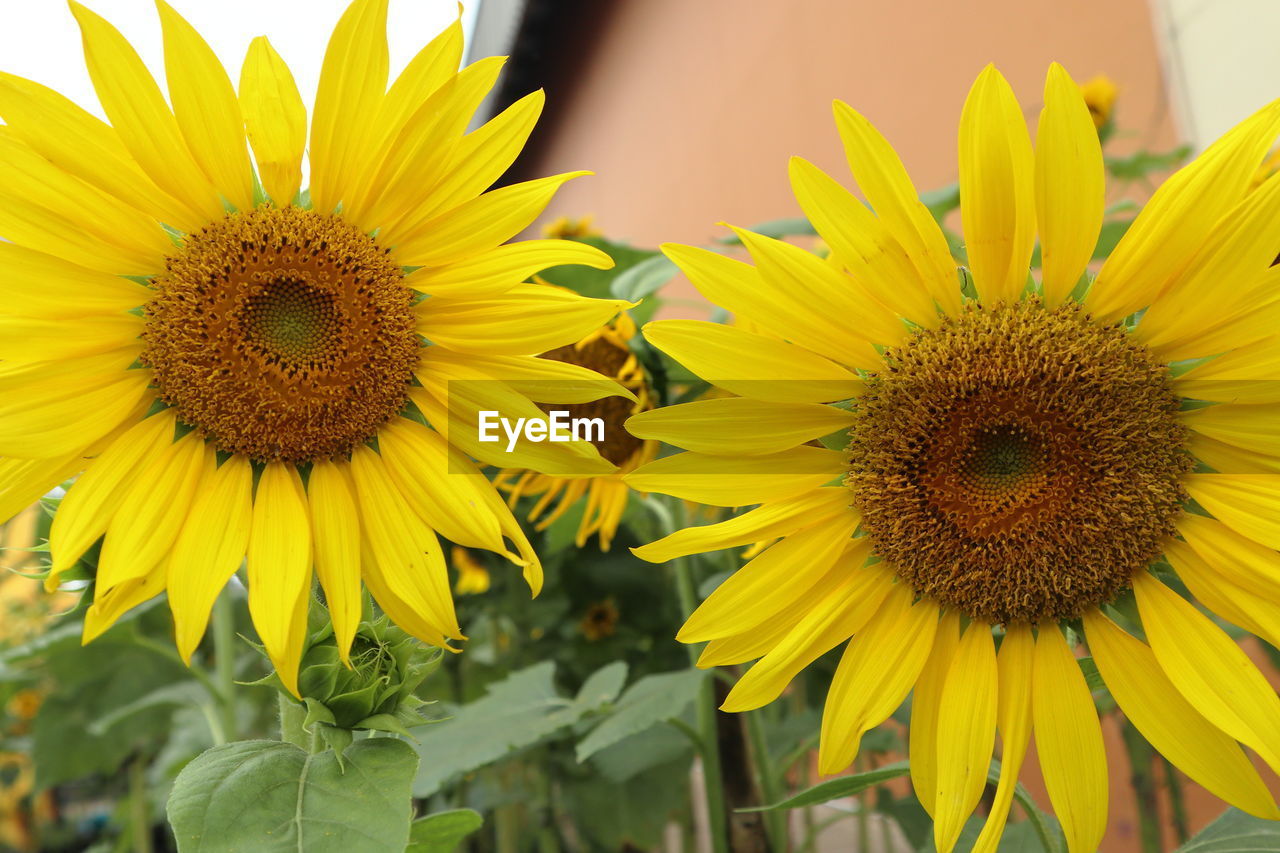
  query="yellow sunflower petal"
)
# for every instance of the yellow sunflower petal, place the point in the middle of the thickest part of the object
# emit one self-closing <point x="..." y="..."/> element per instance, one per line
<point x="1249" y="426"/>
<point x="39" y="339"/>
<point x="497" y="271"/>
<point x="876" y="672"/>
<point x="890" y="285"/>
<point x="25" y="481"/>
<point x="1209" y="669"/>
<point x="444" y="488"/>
<point x="1247" y="503"/>
<point x="24" y="287"/>
<point x="87" y="147"/>
<point x="205" y="106"/>
<point x="279" y="562"/>
<point x="785" y="572"/>
<point x="275" y="119"/>
<point x="888" y="188"/>
<point x="1015" y="664"/>
<point x="1255" y="567"/>
<point x="738" y="426"/>
<point x="108" y="607"/>
<point x="406" y="551"/>
<point x="776" y="518"/>
<point x="1173" y="224"/>
<point x="211" y="546"/>
<point x="1069" y="185"/>
<point x="152" y="511"/>
<point x="966" y="733"/>
<point x="353" y="81"/>
<point x="1172" y="724"/>
<point x="404" y="613"/>
<point x="997" y="188"/>
<point x="52" y="412"/>
<point x="139" y="114"/>
<point x="540" y="379"/>
<point x="526" y="320"/>
<point x="926" y="702"/>
<point x="335" y="534"/>
<point x="1069" y="742"/>
<point x="1246" y="374"/>
<point x="729" y="481"/>
<point x="841" y="611"/>
<point x="44" y="208"/>
<point x="429" y="69"/>
<point x="1222" y="595"/>
<point x="1229" y="459"/>
<point x="752" y="365"/>
<point x="478" y="225"/>
<point x="87" y="508"/>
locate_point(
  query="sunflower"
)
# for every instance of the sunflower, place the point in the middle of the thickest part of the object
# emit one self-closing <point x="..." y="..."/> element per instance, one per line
<point x="237" y="369"/>
<point x="607" y="351"/>
<point x="1022" y="454"/>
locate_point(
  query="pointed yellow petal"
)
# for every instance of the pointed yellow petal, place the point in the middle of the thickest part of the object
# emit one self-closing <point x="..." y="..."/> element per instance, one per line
<point x="109" y="606"/>
<point x="1229" y="459"/>
<point x="1255" y="567"/>
<point x="139" y="114"/>
<point x="275" y="119"/>
<point x="86" y="147"/>
<point x="25" y="481"/>
<point x="1069" y="742"/>
<point x="89" y="504"/>
<point x="152" y="511"/>
<point x="878" y="668"/>
<point x="335" y="532"/>
<point x="205" y="106"/>
<point x="966" y="733"/>
<point x="24" y="287"/>
<point x="770" y="521"/>
<point x="442" y="486"/>
<point x="1172" y="724"/>
<point x="406" y="551"/>
<point x="1223" y="596"/>
<point x="1069" y="185"/>
<point x="1249" y="426"/>
<point x="1246" y="374"/>
<point x="52" y="412"/>
<point x="842" y="610"/>
<point x="479" y="225"/>
<point x="211" y="546"/>
<point x="926" y="703"/>
<point x="1247" y="503"/>
<point x="752" y="365"/>
<point x="1174" y="223"/>
<point x="279" y="563"/>
<point x="888" y="188"/>
<point x="353" y="81"/>
<point x="1014" y="716"/>
<point x="497" y="271"/>
<point x="727" y="481"/>
<point x="997" y="188"/>
<point x="540" y="379"/>
<point x="526" y="320"/>
<point x="38" y="339"/>
<point x="429" y="69"/>
<point x="784" y="573"/>
<point x="1209" y="669"/>
<point x="736" y="426"/>
<point x="885" y="281"/>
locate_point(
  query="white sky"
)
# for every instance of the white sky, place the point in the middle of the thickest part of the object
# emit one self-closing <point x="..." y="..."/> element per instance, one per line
<point x="39" y="39"/>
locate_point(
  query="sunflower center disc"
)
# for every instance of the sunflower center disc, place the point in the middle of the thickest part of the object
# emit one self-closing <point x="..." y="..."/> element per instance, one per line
<point x="1018" y="463"/>
<point x="282" y="334"/>
<point x="607" y="358"/>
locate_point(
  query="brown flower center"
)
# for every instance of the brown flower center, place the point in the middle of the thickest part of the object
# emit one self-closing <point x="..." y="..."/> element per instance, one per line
<point x="606" y="357"/>
<point x="1018" y="463"/>
<point x="282" y="334"/>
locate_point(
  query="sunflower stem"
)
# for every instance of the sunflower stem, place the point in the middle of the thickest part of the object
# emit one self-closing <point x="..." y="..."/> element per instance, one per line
<point x="139" y="813"/>
<point x="1144" y="787"/>
<point x="224" y="650"/>
<point x="770" y="791"/>
<point x="1177" y="806"/>
<point x="713" y="783"/>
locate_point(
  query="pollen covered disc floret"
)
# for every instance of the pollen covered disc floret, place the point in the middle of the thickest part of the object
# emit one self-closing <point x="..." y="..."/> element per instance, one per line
<point x="1018" y="463"/>
<point x="283" y="334"/>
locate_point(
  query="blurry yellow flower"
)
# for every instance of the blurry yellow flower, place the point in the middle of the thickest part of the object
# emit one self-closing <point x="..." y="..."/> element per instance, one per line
<point x="564" y="228"/>
<point x="1100" y="97"/>
<point x="605" y="351"/>
<point x="278" y="332"/>
<point x="1015" y="461"/>
<point x="473" y="578"/>
<point x="25" y="703"/>
<point x="600" y="620"/>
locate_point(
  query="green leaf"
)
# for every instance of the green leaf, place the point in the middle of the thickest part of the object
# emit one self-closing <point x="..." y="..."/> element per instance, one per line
<point x="263" y="796"/>
<point x="789" y="227"/>
<point x="442" y="832"/>
<point x="651" y="700"/>
<point x="644" y="279"/>
<point x="516" y="713"/>
<point x="632" y="815"/>
<point x="1235" y="832"/>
